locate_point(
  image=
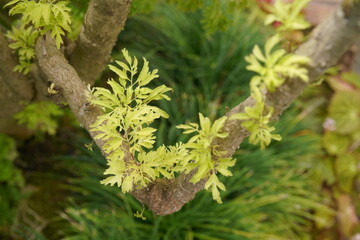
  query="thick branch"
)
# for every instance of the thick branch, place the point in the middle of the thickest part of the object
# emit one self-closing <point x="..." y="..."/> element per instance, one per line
<point x="17" y="83"/>
<point x="15" y="88"/>
<point x="103" y="22"/>
<point x="325" y="47"/>
<point x="165" y="196"/>
<point x="57" y="70"/>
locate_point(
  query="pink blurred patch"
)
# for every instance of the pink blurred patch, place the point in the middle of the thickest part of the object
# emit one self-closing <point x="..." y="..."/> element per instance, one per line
<point x="318" y="10"/>
<point x="315" y="12"/>
<point x="276" y="24"/>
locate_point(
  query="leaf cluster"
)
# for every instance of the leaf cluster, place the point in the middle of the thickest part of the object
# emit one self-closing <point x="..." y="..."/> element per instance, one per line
<point x="214" y="17"/>
<point x="126" y="124"/>
<point x="45" y="15"/>
<point x="273" y="67"/>
<point x="202" y="154"/>
<point x="11" y="181"/>
<point x="192" y="62"/>
<point x="289" y="15"/>
<point x="336" y="172"/>
<point x="257" y="122"/>
<point x="342" y="136"/>
<point x="38" y="18"/>
<point x="23" y="40"/>
<point x="217" y="15"/>
<point x="40" y="117"/>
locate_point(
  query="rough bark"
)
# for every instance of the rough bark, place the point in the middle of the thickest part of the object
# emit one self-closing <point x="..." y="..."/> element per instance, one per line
<point x="15" y="88"/>
<point x="57" y="69"/>
<point x="325" y="46"/>
<point x="102" y="24"/>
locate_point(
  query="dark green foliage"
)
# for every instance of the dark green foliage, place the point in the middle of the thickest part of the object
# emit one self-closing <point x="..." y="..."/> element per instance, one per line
<point x="11" y="182"/>
<point x="40" y="117"/>
<point x="142" y="6"/>
<point x="216" y="15"/>
<point x="78" y="9"/>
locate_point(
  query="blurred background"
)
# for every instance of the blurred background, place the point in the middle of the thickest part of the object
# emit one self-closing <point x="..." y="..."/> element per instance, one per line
<point x="306" y="186"/>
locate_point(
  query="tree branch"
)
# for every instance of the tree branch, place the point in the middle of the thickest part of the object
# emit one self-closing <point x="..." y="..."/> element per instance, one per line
<point x="103" y="22"/>
<point x="15" y="87"/>
<point x="326" y="45"/>
<point x="56" y="69"/>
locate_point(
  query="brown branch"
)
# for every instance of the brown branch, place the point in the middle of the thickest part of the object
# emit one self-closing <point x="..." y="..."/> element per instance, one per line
<point x="16" y="89"/>
<point x="325" y="47"/>
<point x="165" y="196"/>
<point x="56" y="69"/>
<point x="103" y="22"/>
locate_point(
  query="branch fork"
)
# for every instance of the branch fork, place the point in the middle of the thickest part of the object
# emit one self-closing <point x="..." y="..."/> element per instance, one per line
<point x="325" y="47"/>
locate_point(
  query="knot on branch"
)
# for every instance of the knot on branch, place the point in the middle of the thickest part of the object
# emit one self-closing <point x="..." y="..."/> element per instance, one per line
<point x="166" y="196"/>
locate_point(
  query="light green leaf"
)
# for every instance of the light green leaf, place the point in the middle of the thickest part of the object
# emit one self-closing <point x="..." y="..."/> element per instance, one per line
<point x="119" y="72"/>
<point x="123" y="65"/>
<point x="270" y="44"/>
<point x="218" y="124"/>
<point x="126" y="55"/>
<point x="146" y="131"/>
<point x="12" y="3"/>
<point x="216" y="194"/>
<point x="46" y="11"/>
<point x="258" y="54"/>
<point x="56" y="33"/>
<point x="127" y="184"/>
